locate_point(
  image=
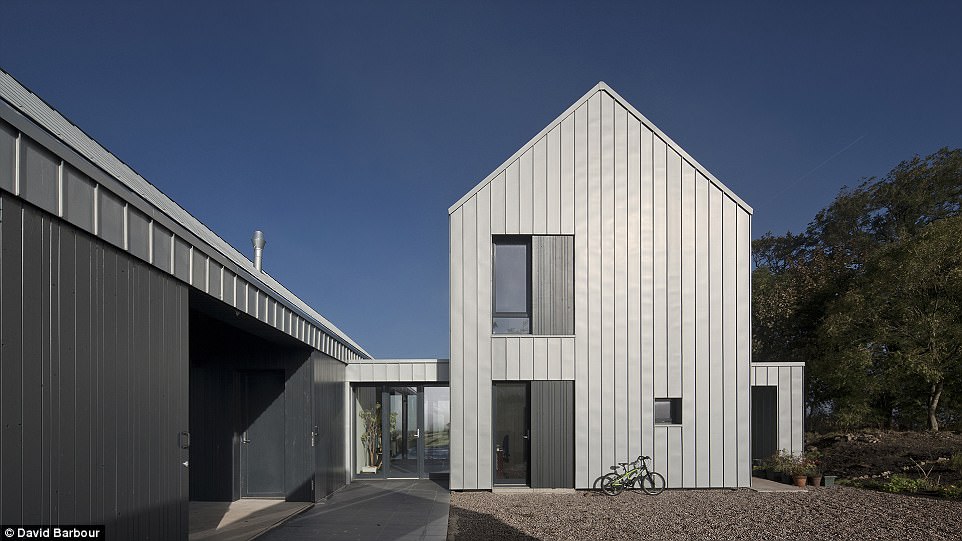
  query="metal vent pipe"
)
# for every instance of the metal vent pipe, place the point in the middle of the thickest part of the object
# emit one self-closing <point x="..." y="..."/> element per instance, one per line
<point x="259" y="242"/>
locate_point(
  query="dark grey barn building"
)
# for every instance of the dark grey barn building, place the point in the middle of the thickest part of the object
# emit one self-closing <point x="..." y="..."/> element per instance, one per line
<point x="144" y="361"/>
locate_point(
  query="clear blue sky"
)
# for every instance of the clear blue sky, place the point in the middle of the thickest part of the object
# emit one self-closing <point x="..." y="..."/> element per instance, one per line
<point x="345" y="133"/>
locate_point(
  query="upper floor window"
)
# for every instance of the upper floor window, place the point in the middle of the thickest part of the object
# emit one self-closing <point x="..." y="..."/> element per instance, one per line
<point x="512" y="285"/>
<point x="533" y="285"/>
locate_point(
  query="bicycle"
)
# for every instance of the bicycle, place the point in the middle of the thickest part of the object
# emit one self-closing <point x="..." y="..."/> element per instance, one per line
<point x="651" y="482"/>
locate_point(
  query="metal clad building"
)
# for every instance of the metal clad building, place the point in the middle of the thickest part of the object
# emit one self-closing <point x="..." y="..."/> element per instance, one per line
<point x="660" y="307"/>
<point x="144" y="361"/>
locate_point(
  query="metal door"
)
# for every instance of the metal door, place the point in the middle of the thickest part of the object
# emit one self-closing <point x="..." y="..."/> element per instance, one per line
<point x="262" y="439"/>
<point x="764" y="421"/>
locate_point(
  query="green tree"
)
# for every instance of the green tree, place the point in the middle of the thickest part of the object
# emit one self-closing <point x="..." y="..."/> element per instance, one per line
<point x="837" y="296"/>
<point x="910" y="304"/>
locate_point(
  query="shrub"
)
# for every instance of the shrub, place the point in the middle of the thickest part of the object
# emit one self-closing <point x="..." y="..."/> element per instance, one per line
<point x="900" y="483"/>
<point x="956" y="462"/>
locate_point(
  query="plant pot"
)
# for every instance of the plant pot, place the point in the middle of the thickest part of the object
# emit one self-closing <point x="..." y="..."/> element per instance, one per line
<point x="772" y="475"/>
<point x="784" y="478"/>
<point x="829" y="480"/>
<point x="760" y="473"/>
<point x="815" y="480"/>
<point x="800" y="480"/>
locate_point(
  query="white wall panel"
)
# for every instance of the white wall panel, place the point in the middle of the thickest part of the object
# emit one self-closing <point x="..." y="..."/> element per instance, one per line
<point x="540" y="346"/>
<point x="647" y="293"/>
<point x="674" y="473"/>
<point x="620" y="300"/>
<point x="633" y="268"/>
<point x="499" y="369"/>
<point x="512" y="358"/>
<point x="554" y="360"/>
<point x="526" y="187"/>
<point x="716" y="369"/>
<point x="512" y="197"/>
<point x="595" y="385"/>
<point x="584" y="470"/>
<point x="497" y="205"/>
<point x="458" y="390"/>
<point x="553" y="182"/>
<point x="567" y="174"/>
<point x="484" y="297"/>
<point x="539" y="188"/>
<point x="607" y="268"/>
<point x="470" y="295"/>
<point x="729" y="338"/>
<point x="744" y="346"/>
<point x="660" y="214"/>
<point x="673" y="276"/>
<point x="688" y="321"/>
<point x="702" y="340"/>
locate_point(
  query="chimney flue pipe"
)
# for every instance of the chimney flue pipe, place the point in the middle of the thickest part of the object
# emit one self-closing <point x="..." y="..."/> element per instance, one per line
<point x="259" y="242"/>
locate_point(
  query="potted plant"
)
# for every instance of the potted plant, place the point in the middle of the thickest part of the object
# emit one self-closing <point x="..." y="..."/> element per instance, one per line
<point x="814" y="459"/>
<point x="830" y="480"/>
<point x="371" y="438"/>
<point x="799" y="471"/>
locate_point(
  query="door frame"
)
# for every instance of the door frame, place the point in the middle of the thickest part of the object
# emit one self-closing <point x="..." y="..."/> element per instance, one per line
<point x="243" y="453"/>
<point x="527" y="439"/>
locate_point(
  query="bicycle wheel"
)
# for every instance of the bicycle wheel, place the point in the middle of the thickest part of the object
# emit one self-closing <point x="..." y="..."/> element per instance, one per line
<point x="653" y="483"/>
<point x="611" y="484"/>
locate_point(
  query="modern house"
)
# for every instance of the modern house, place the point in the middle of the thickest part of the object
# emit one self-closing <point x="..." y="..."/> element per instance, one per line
<point x="600" y="295"/>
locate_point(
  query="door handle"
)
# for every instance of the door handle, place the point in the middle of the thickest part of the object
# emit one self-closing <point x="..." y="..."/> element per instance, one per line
<point x="526" y="435"/>
<point x="244" y="438"/>
<point x="418" y="433"/>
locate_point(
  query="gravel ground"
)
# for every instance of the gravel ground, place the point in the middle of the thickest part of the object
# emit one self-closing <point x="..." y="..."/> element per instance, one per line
<point x="822" y="513"/>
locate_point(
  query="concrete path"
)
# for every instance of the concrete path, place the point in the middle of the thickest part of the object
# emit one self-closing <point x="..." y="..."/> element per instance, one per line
<point x="373" y="510"/>
<point x="764" y="485"/>
<point x="240" y="520"/>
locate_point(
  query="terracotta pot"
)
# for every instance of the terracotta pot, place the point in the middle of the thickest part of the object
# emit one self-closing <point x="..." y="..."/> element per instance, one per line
<point x="816" y="480"/>
<point x="800" y="480"/>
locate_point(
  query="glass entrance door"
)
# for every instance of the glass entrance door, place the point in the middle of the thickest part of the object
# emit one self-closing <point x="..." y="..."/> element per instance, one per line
<point x="512" y="434"/>
<point x="402" y="431"/>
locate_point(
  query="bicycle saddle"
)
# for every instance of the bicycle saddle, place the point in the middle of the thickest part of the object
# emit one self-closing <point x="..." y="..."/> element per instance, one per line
<point x="623" y="463"/>
<point x="614" y="468"/>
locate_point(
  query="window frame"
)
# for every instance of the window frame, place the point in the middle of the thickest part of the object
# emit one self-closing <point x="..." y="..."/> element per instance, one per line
<point x="510" y="240"/>
<point x="674" y="411"/>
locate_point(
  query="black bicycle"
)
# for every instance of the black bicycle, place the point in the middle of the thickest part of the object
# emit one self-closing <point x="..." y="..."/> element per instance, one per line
<point x="633" y="473"/>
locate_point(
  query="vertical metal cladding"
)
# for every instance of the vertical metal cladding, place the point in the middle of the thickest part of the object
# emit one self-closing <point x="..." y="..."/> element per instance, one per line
<point x="94" y="382"/>
<point x="661" y="286"/>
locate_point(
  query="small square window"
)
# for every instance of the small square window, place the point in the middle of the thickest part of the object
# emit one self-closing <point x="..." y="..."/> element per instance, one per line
<point x="667" y="411"/>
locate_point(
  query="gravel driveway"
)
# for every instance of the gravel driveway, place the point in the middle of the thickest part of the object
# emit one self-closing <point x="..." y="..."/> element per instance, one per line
<point x="823" y="513"/>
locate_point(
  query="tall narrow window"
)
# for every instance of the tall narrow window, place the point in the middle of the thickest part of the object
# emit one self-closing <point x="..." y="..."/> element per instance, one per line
<point x="512" y="285"/>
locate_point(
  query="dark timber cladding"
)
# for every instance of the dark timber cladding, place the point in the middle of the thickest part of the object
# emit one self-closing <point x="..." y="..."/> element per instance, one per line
<point x="93" y="382"/>
<point x="552" y="434"/>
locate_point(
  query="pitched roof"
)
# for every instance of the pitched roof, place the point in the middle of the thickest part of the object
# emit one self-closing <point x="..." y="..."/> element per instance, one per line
<point x="603" y="87"/>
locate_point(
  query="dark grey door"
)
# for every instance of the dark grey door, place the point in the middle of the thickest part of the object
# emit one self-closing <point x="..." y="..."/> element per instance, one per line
<point x="764" y="421"/>
<point x="262" y="440"/>
<point x="512" y="433"/>
<point x="552" y="434"/>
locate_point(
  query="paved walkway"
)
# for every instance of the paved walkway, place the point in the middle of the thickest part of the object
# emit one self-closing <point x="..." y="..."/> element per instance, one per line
<point x="239" y="520"/>
<point x="374" y="510"/>
<point x="765" y="485"/>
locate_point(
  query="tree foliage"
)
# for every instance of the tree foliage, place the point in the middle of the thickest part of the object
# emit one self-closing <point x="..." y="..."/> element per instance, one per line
<point x="870" y="297"/>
